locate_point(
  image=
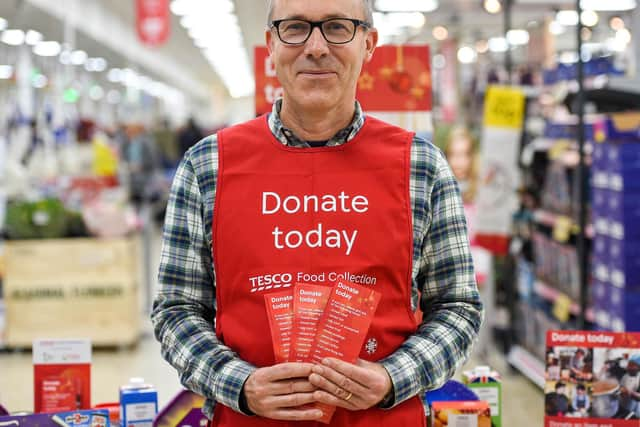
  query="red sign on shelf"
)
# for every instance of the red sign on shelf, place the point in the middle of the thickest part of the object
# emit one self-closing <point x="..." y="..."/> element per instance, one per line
<point x="153" y="21"/>
<point x="398" y="78"/>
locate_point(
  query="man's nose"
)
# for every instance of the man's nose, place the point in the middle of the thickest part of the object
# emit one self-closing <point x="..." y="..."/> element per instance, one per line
<point x="316" y="45"/>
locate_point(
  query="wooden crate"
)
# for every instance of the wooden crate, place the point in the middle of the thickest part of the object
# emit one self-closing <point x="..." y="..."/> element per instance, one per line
<point x="72" y="288"/>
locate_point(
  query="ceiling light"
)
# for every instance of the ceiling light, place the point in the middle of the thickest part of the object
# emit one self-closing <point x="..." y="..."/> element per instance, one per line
<point x="518" y="37"/>
<point x="492" y="6"/>
<point x="440" y="33"/>
<point x="96" y="93"/>
<point x="567" y="18"/>
<point x="13" y="37"/>
<point x="482" y="46"/>
<point x="39" y="81"/>
<point x="616" y="23"/>
<point x="467" y="55"/>
<point x="3" y="24"/>
<point x="114" y="97"/>
<point x="33" y="37"/>
<point x="589" y="18"/>
<point x="608" y="5"/>
<point x="78" y="57"/>
<point x="407" y="5"/>
<point x="47" y="48"/>
<point x="498" y="44"/>
<point x="114" y="75"/>
<point x="97" y="65"/>
<point x="6" y="71"/>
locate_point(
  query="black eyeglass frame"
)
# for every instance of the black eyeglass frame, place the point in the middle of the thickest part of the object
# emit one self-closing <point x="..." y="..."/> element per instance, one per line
<point x="318" y="24"/>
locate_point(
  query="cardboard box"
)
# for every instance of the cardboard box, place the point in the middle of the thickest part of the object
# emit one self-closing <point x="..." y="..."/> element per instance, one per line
<point x="69" y="288"/>
<point x="486" y="384"/>
<point x="61" y="375"/>
<point x="138" y="405"/>
<point x="85" y="418"/>
<point x="460" y="414"/>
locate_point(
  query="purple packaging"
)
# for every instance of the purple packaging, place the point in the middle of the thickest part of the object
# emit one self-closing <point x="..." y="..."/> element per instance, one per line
<point x="184" y="410"/>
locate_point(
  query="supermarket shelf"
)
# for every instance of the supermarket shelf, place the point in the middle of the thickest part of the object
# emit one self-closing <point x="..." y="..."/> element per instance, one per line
<point x="550" y="219"/>
<point x="528" y="364"/>
<point x="550" y="294"/>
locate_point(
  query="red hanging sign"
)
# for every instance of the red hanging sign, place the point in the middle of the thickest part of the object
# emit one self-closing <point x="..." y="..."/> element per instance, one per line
<point x="153" y="21"/>
<point x="398" y="78"/>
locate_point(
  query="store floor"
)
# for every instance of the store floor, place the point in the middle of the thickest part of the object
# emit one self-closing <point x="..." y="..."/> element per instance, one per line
<point x="522" y="401"/>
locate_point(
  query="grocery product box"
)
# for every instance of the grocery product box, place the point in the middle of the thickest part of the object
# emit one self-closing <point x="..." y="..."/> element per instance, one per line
<point x="599" y="296"/>
<point x="138" y="405"/>
<point x="61" y="375"/>
<point x="624" y="263"/>
<point x="486" y="384"/>
<point x="593" y="365"/>
<point x="460" y="414"/>
<point x="621" y="127"/>
<point x="82" y="418"/>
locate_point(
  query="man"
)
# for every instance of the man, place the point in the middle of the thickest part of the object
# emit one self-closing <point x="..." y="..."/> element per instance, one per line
<point x="557" y="402"/>
<point x="235" y="220"/>
<point x="630" y="385"/>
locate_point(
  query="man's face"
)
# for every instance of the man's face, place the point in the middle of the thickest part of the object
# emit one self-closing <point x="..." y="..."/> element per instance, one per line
<point x="633" y="369"/>
<point x="318" y="75"/>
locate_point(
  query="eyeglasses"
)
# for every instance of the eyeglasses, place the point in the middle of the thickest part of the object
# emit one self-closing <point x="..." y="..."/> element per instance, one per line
<point x="334" y="30"/>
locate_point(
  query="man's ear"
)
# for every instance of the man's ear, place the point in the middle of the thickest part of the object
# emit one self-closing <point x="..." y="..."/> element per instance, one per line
<point x="371" y="43"/>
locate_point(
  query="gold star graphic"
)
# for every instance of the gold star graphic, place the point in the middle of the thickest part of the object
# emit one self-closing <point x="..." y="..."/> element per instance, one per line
<point x="366" y="81"/>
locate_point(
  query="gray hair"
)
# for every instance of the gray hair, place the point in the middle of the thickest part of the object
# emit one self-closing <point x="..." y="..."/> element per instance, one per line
<point x="368" y="11"/>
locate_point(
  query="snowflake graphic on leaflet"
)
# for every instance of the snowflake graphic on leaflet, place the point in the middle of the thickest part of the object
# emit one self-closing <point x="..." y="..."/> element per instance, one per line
<point x="371" y="346"/>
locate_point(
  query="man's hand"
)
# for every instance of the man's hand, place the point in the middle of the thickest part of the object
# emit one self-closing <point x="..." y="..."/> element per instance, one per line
<point x="279" y="391"/>
<point x="349" y="386"/>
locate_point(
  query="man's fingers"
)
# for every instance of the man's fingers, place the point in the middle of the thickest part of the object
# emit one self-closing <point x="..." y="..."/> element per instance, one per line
<point x="290" y="387"/>
<point x="328" y="398"/>
<point x="335" y="383"/>
<point x="296" y="414"/>
<point x="284" y="371"/>
<point x="356" y="373"/>
<point x="289" y="400"/>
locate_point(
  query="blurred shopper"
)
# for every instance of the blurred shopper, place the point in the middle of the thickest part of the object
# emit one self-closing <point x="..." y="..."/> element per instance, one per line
<point x="142" y="157"/>
<point x="316" y="142"/>
<point x="189" y="135"/>
<point x="167" y="142"/>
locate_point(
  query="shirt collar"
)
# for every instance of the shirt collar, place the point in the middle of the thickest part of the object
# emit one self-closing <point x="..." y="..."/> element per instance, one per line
<point x="287" y="137"/>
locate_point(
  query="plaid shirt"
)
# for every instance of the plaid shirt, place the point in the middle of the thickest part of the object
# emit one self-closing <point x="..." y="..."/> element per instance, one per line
<point x="443" y="277"/>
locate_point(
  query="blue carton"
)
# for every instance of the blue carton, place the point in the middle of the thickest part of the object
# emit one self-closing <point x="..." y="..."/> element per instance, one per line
<point x="624" y="263"/>
<point x="622" y="157"/>
<point x="624" y="214"/>
<point x="138" y="405"/>
<point x="601" y="248"/>
<point x="599" y="297"/>
<point x="624" y="309"/>
<point x="622" y="127"/>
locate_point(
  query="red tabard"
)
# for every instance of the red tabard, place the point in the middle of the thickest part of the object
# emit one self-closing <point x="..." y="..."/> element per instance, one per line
<point x="284" y="215"/>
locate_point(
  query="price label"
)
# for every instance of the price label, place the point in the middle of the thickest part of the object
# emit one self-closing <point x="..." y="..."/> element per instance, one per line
<point x="562" y="308"/>
<point x="504" y="108"/>
<point x="562" y="229"/>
